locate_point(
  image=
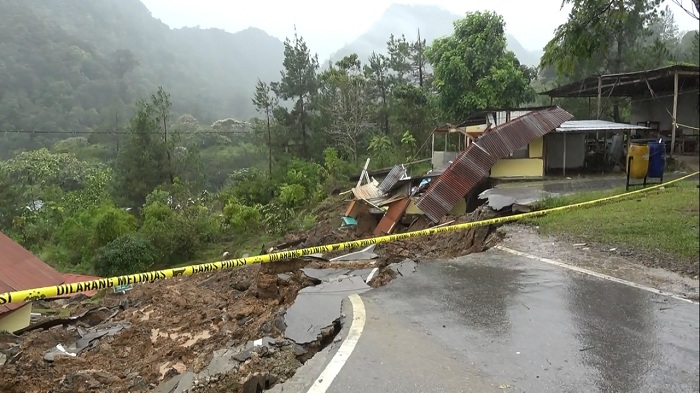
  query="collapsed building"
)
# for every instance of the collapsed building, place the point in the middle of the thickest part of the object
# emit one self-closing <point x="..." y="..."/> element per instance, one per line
<point x="453" y="187"/>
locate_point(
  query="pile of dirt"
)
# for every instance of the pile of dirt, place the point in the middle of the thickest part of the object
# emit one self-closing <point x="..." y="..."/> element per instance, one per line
<point x="446" y="245"/>
<point x="171" y="326"/>
<point x="449" y="244"/>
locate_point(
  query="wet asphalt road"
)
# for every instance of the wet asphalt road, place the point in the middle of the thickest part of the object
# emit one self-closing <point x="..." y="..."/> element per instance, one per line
<point x="498" y="322"/>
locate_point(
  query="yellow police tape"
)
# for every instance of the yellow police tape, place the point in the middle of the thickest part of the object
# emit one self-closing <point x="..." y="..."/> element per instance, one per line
<point x="66" y="289"/>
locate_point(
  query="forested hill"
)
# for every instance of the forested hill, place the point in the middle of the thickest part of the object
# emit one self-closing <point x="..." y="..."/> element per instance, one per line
<point x="77" y="65"/>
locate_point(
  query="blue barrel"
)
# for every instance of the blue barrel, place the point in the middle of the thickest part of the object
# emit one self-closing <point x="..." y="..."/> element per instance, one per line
<point x="657" y="159"/>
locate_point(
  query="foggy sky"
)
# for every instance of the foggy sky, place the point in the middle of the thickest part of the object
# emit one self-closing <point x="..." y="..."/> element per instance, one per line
<point x="327" y="25"/>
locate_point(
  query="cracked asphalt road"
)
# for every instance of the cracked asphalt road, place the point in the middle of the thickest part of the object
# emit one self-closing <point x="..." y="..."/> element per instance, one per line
<point x="498" y="322"/>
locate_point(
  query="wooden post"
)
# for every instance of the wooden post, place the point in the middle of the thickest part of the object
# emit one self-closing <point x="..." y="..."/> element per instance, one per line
<point x="363" y="173"/>
<point x="589" y="106"/>
<point x="600" y="95"/>
<point x="432" y="153"/>
<point x="605" y="148"/>
<point x="675" y="113"/>
<point x="563" y="165"/>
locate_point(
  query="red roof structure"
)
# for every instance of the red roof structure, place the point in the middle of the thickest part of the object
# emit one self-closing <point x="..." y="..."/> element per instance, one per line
<point x="20" y="269"/>
<point x="70" y="278"/>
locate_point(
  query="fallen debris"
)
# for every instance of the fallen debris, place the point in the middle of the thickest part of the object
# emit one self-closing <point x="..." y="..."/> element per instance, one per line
<point x="87" y="339"/>
<point x="518" y="199"/>
<point x="318" y="307"/>
<point x="366" y="253"/>
<point x="403" y="268"/>
<point x="228" y="331"/>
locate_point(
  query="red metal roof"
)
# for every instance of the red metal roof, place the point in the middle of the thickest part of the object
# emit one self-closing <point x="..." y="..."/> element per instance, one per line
<point x="70" y="278"/>
<point x="473" y="165"/>
<point x="20" y="269"/>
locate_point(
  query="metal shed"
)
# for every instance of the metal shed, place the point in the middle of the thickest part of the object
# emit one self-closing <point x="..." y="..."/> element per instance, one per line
<point x="665" y="99"/>
<point x="568" y="142"/>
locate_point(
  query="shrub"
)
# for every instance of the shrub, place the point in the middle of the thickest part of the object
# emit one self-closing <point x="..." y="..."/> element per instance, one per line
<point x="240" y="217"/>
<point x="127" y="254"/>
<point x="293" y="195"/>
<point x="250" y="186"/>
<point x="170" y="233"/>
<point x="111" y="223"/>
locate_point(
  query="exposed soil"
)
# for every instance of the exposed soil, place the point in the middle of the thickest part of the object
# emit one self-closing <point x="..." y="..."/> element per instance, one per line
<point x="444" y="245"/>
<point x="174" y="325"/>
<point x="448" y="244"/>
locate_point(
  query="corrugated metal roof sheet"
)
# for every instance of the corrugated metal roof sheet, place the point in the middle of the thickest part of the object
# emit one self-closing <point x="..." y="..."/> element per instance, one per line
<point x="474" y="164"/>
<point x="596" y="125"/>
<point x="20" y="269"/>
<point x="396" y="174"/>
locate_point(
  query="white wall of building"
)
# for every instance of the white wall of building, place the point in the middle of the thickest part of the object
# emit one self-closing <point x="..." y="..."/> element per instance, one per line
<point x="655" y="109"/>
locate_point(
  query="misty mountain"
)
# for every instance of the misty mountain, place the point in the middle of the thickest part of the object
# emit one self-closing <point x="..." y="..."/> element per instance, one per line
<point x="79" y="65"/>
<point x="433" y="22"/>
<point x="76" y="65"/>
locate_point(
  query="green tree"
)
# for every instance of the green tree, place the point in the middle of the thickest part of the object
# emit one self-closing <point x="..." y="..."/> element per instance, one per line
<point x="399" y="53"/>
<point x="146" y="160"/>
<point x="298" y="83"/>
<point x="346" y="102"/>
<point x="162" y="104"/>
<point x="606" y="31"/>
<point x="419" y="63"/>
<point x="265" y="102"/>
<point x="377" y="73"/>
<point x="474" y="70"/>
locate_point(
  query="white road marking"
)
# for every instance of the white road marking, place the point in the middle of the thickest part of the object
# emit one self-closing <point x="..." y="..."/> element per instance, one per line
<point x="595" y="274"/>
<point x="323" y="382"/>
<point x="371" y="274"/>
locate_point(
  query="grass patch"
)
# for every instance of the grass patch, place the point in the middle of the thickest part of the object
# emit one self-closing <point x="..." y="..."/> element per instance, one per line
<point x="659" y="222"/>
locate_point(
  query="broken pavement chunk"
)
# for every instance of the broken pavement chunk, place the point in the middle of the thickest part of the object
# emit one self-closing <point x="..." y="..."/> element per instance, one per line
<point x="323" y="274"/>
<point x="366" y="253"/>
<point x="177" y="384"/>
<point x="405" y="267"/>
<point x="520" y="198"/>
<point x="87" y="339"/>
<point x="318" y="307"/>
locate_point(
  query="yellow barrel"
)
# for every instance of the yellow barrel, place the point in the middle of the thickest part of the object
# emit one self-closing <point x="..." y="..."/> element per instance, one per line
<point x="639" y="165"/>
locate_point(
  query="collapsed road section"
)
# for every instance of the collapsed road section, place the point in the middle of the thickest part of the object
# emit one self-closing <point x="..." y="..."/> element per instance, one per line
<point x="244" y="330"/>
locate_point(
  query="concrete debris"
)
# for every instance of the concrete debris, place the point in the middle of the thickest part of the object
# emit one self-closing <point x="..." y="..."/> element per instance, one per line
<point x="284" y="276"/>
<point x="364" y="273"/>
<point x="88" y="339"/>
<point x="259" y="382"/>
<point x="520" y="199"/>
<point x="318" y="307"/>
<point x="316" y="256"/>
<point x="365" y="254"/>
<point x="177" y="384"/>
<point x="324" y="274"/>
<point x="3" y="358"/>
<point x="403" y="268"/>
